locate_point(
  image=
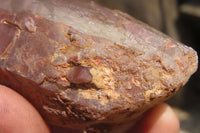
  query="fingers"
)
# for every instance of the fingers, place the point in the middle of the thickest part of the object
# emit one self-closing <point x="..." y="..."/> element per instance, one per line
<point x="160" y="119"/>
<point x="17" y="115"/>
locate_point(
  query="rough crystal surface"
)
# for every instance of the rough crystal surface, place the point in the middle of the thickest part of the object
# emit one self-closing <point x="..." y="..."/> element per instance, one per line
<point x="87" y="67"/>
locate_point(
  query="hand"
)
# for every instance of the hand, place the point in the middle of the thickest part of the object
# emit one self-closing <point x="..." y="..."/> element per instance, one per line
<point x="160" y="119"/>
<point x="17" y="115"/>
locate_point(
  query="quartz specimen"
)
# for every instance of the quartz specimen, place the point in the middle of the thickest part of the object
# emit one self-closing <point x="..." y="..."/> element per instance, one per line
<point x="87" y="67"/>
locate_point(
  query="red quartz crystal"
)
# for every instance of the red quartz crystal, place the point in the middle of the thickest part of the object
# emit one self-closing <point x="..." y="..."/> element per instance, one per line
<point x="87" y="67"/>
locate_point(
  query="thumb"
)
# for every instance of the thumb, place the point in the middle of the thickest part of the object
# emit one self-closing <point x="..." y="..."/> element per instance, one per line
<point x="17" y="115"/>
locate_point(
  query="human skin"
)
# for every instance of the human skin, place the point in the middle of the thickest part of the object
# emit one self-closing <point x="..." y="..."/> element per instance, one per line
<point x="18" y="115"/>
